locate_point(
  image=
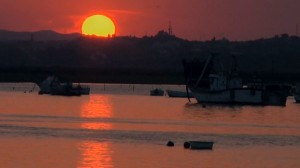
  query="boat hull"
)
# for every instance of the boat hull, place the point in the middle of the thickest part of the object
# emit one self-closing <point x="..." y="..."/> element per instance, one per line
<point x="54" y="87"/>
<point x="241" y="96"/>
<point x="230" y="96"/>
<point x="179" y="94"/>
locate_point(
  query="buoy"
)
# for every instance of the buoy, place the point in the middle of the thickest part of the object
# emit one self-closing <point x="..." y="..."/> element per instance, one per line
<point x="186" y="145"/>
<point x="170" y="144"/>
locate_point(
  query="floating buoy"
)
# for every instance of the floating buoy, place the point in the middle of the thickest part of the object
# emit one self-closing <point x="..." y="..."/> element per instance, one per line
<point x="170" y="144"/>
<point x="186" y="145"/>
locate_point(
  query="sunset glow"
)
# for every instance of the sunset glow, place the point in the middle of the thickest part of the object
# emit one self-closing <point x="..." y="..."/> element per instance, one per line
<point x="98" y="25"/>
<point x="98" y="107"/>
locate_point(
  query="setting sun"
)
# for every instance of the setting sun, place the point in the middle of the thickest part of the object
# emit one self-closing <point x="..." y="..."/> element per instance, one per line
<point x="98" y="25"/>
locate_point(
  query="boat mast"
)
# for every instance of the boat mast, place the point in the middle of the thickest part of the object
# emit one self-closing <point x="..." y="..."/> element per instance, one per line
<point x="204" y="69"/>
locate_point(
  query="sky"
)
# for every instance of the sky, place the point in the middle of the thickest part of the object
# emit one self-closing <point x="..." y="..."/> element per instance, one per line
<point x="190" y="19"/>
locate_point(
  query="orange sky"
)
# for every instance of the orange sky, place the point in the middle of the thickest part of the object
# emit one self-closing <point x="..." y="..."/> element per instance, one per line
<point x="191" y="19"/>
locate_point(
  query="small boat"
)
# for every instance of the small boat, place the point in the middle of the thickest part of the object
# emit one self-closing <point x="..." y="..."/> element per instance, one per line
<point x="180" y="94"/>
<point x="198" y="145"/>
<point x="54" y="87"/>
<point x="157" y="92"/>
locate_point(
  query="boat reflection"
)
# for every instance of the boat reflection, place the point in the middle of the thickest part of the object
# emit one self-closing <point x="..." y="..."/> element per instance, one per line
<point x="95" y="155"/>
<point x="95" y="111"/>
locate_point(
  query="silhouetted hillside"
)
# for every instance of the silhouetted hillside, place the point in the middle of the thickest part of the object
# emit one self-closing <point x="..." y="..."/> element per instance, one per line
<point x="44" y="35"/>
<point x="156" y="57"/>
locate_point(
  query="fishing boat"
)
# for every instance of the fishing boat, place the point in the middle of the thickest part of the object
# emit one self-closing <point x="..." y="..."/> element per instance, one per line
<point x="52" y="85"/>
<point x="228" y="88"/>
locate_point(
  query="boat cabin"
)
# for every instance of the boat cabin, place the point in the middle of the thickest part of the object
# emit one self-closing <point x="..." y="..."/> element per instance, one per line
<point x="221" y="82"/>
<point x="217" y="82"/>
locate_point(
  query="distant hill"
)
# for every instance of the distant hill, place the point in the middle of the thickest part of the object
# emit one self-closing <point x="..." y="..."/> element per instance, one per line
<point x="43" y="35"/>
<point x="132" y="58"/>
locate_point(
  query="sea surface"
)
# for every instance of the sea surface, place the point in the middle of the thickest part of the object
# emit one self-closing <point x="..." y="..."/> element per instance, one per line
<point x="121" y="126"/>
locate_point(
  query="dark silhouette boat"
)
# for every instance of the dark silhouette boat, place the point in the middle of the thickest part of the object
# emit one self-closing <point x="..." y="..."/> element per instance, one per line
<point x="229" y="88"/>
<point x="198" y="145"/>
<point x="178" y="94"/>
<point x="157" y="92"/>
<point x="54" y="87"/>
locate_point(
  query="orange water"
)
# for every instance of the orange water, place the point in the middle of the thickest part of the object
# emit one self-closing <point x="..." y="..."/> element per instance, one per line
<point x="121" y="126"/>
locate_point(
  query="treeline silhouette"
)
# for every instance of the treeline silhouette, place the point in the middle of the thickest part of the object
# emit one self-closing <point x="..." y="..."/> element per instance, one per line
<point x="150" y="59"/>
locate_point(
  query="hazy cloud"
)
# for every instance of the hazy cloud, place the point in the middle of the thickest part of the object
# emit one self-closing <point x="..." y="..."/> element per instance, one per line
<point x="193" y="19"/>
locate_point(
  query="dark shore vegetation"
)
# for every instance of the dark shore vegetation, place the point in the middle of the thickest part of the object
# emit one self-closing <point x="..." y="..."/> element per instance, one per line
<point x="156" y="59"/>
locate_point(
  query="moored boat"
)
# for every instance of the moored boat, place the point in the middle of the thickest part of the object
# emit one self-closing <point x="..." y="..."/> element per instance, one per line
<point x="180" y="94"/>
<point x="157" y="92"/>
<point x="228" y="88"/>
<point x="198" y="145"/>
<point x="54" y="87"/>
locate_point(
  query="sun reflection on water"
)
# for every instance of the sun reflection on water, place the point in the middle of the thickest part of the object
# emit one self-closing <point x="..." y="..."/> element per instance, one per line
<point x="95" y="155"/>
<point x="99" y="107"/>
<point x="94" y="112"/>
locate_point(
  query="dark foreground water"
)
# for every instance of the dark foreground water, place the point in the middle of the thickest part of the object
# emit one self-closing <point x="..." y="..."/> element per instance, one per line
<point x="121" y="126"/>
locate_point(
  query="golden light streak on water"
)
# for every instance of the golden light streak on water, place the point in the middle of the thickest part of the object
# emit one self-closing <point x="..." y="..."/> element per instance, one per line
<point x="98" y="107"/>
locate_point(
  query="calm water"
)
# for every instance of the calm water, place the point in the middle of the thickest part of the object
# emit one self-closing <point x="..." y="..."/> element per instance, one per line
<point x="120" y="126"/>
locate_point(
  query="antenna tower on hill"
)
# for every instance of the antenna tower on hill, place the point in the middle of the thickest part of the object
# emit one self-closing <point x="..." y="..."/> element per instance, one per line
<point x="170" y="30"/>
